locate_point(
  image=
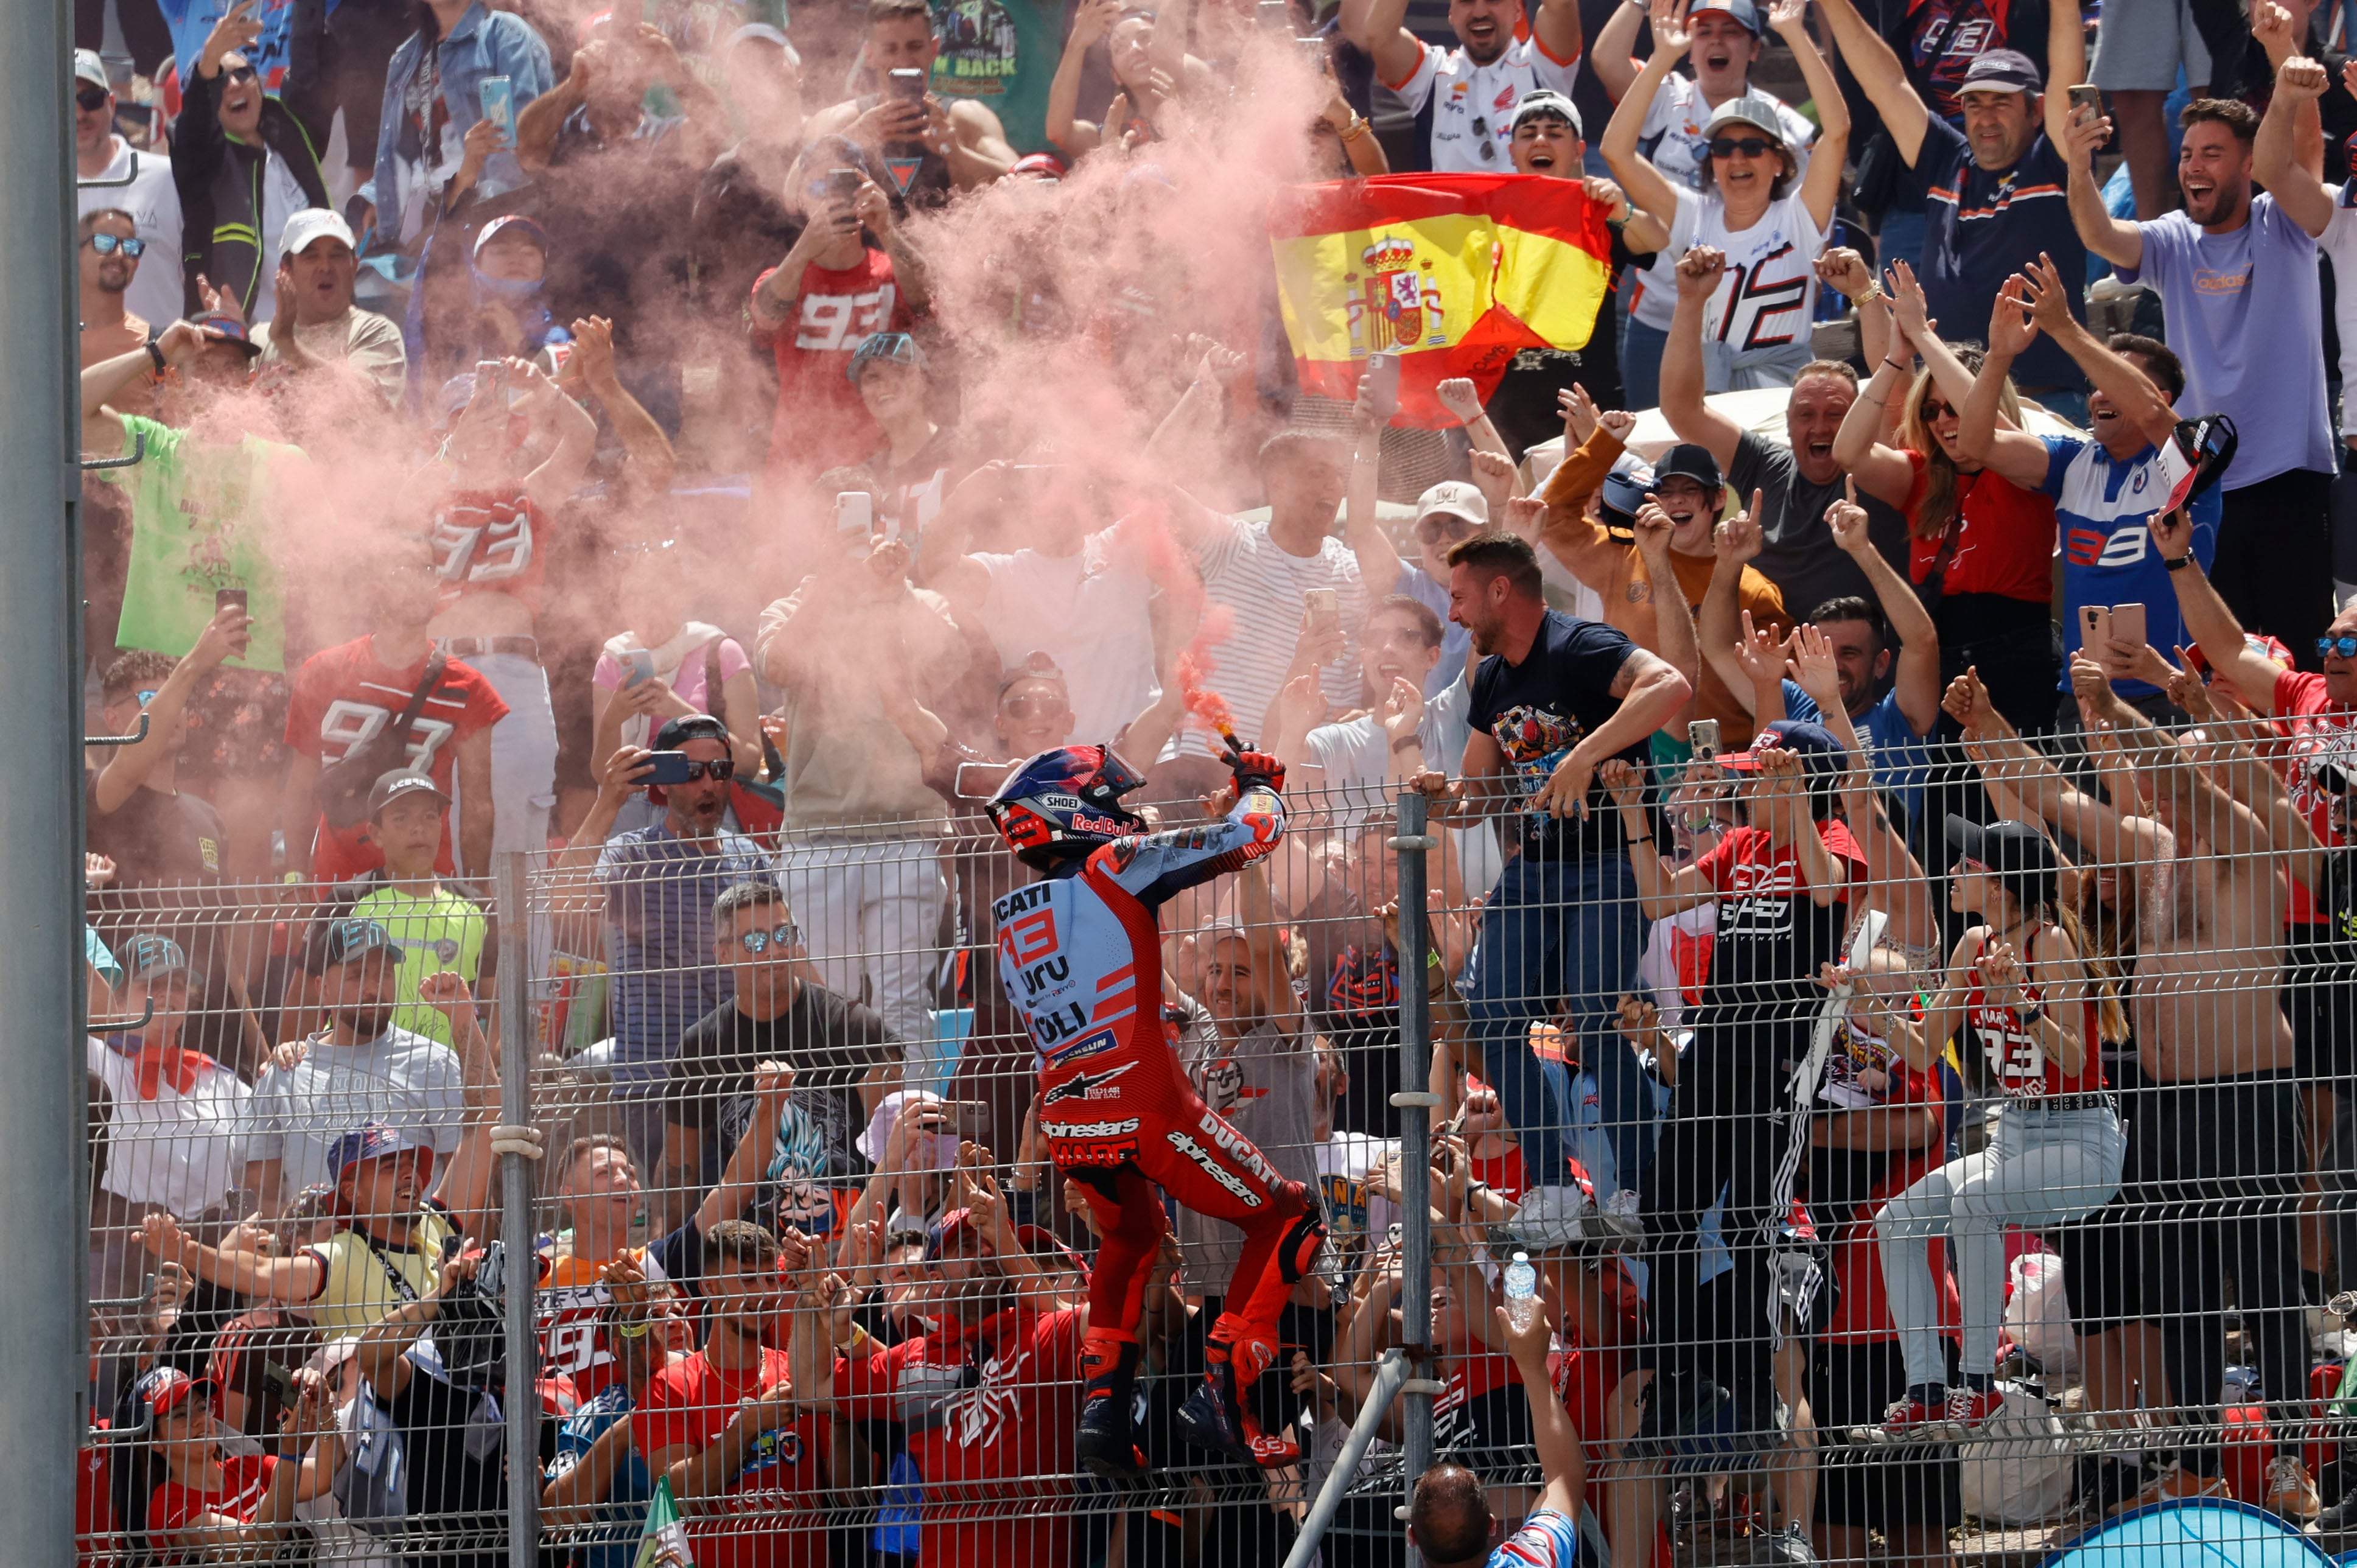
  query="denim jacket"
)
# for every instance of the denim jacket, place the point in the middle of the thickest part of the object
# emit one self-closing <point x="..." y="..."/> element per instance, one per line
<point x="484" y="43"/>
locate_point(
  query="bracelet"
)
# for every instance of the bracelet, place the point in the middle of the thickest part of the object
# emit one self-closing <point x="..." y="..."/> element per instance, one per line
<point x="1873" y="292"/>
<point x="1405" y="742"/>
<point x="1899" y="365"/>
<point x="2177" y="562"/>
<point x="1355" y="129"/>
<point x="1637" y="838"/>
<point x="157" y="356"/>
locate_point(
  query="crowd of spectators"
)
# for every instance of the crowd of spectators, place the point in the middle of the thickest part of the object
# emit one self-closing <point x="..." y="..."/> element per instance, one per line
<point x="1891" y="668"/>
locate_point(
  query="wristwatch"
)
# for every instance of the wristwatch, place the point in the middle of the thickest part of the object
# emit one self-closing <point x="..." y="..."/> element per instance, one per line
<point x="2178" y="563"/>
<point x="157" y="355"/>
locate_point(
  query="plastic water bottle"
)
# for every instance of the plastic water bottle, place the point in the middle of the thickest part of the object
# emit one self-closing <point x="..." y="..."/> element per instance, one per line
<point x="1522" y="1293"/>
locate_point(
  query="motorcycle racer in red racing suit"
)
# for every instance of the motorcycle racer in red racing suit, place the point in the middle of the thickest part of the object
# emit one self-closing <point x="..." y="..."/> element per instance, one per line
<point x="1079" y="954"/>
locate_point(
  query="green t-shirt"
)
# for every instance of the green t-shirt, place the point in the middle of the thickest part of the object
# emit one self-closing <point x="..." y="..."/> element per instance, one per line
<point x="1002" y="54"/>
<point x="200" y="520"/>
<point x="436" y="933"/>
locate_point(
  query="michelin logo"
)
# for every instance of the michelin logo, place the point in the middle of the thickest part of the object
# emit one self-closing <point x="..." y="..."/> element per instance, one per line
<point x="1220" y="1173"/>
<point x="1089" y="1129"/>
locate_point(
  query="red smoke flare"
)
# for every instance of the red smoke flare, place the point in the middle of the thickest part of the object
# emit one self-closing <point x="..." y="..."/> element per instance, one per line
<point x="1194" y="668"/>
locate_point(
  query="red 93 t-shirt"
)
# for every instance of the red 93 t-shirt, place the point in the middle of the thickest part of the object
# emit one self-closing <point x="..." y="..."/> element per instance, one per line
<point x="821" y="423"/>
<point x="344" y="696"/>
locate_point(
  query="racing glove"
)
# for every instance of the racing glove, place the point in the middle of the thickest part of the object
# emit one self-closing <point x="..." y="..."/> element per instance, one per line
<point x="1256" y="769"/>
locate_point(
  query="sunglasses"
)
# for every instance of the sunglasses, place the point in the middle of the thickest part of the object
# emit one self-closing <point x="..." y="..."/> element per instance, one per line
<point x="1445" y="525"/>
<point x="241" y="73"/>
<point x="1489" y="144"/>
<point x="1750" y="147"/>
<point x="91" y="100"/>
<point x="1023" y="707"/>
<point x="719" y="772"/>
<point x="1935" y="412"/>
<point x="107" y="245"/>
<point x="2345" y="647"/>
<point x="780" y="937"/>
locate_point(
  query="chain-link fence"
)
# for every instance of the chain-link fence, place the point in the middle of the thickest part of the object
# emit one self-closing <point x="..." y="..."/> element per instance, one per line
<point x="1931" y="1160"/>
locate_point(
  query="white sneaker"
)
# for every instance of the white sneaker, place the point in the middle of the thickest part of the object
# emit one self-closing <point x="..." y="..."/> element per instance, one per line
<point x="1552" y="1217"/>
<point x="1622" y="1217"/>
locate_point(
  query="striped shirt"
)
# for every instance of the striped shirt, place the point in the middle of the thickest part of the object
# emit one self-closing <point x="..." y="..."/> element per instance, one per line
<point x="1262" y="590"/>
<point x="1547" y="1539"/>
<point x="1981" y="224"/>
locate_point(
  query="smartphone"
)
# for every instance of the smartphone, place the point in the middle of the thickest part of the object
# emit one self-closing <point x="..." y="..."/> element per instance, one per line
<point x="451" y="1246"/>
<point x="969" y="1120"/>
<point x="905" y="84"/>
<point x="854" y="515"/>
<point x="2129" y="624"/>
<point x="1321" y="607"/>
<point x="2086" y="96"/>
<point x="637" y="665"/>
<point x="1275" y="16"/>
<point x="491" y="376"/>
<point x="1382" y="384"/>
<point x="282" y="1380"/>
<point x="499" y="106"/>
<point x="224" y="597"/>
<point x="842" y="184"/>
<point x="1701" y="735"/>
<point x="1313" y="50"/>
<point x="670" y="768"/>
<point x="2095" y="627"/>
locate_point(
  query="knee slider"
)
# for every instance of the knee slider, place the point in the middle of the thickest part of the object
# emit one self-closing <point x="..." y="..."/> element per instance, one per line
<point x="1297" y="1252"/>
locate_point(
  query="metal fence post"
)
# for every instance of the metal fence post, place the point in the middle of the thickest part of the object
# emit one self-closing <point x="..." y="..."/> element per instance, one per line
<point x="42" y="1354"/>
<point x="1414" y="1102"/>
<point x="516" y="1226"/>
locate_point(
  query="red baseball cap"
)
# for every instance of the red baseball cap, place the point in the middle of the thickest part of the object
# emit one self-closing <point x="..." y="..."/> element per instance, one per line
<point x="167" y="1389"/>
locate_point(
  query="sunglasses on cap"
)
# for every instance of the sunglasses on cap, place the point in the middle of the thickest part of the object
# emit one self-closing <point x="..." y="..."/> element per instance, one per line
<point x="107" y="245"/>
<point x="91" y="100"/>
<point x="781" y="937"/>
<point x="1750" y="147"/>
<point x="2345" y="647"/>
<point x="1444" y="524"/>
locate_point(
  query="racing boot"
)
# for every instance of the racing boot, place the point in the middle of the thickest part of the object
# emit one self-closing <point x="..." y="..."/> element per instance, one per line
<point x="1106" y="1445"/>
<point x="1214" y="1415"/>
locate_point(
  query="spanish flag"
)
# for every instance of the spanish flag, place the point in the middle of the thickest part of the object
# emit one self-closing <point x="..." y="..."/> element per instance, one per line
<point x="1455" y="273"/>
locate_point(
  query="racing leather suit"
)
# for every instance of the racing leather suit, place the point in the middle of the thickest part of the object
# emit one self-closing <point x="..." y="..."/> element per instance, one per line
<point x="1080" y="956"/>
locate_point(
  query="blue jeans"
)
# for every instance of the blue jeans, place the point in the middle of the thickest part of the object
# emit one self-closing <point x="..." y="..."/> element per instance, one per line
<point x="1902" y="239"/>
<point x="1641" y="364"/>
<point x="1561" y="931"/>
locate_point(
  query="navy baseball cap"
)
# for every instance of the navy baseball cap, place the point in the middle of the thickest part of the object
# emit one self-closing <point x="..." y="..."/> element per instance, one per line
<point x="343" y="941"/>
<point x="1686" y="460"/>
<point x="369" y="1141"/>
<point x="1821" y="754"/>
<point x="2002" y="70"/>
<point x="2019" y="856"/>
<point x="149" y="956"/>
<point x="690" y="726"/>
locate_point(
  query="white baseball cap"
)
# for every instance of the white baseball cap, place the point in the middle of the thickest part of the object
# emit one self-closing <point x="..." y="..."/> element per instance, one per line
<point x="314" y="223"/>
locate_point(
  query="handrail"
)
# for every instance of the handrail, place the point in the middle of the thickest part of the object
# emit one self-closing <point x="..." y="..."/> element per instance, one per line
<point x="1391" y="1376"/>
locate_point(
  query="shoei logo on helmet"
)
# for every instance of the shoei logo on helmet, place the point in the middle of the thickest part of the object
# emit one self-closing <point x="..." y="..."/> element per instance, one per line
<point x="1058" y="802"/>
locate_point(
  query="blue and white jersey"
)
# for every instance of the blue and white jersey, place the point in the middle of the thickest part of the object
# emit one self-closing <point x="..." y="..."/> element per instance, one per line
<point x="1547" y="1539"/>
<point x="2104" y="507"/>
